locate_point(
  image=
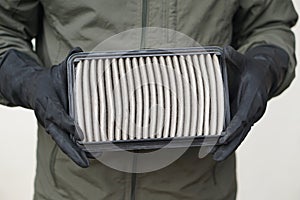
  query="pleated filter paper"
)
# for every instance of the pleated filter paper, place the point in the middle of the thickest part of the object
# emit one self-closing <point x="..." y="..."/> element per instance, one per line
<point x="144" y="99"/>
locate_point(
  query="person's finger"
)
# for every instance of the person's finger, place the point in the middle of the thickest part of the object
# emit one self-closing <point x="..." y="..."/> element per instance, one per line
<point x="59" y="77"/>
<point x="248" y="108"/>
<point x="48" y="112"/>
<point x="224" y="151"/>
<point x="234" y="128"/>
<point x="71" y="52"/>
<point x="236" y="125"/>
<point x="61" y="138"/>
<point x="235" y="58"/>
<point x="75" y="50"/>
<point x="67" y="146"/>
<point x="56" y="114"/>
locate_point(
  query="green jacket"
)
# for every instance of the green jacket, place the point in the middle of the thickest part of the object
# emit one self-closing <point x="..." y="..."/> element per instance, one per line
<point x="59" y="26"/>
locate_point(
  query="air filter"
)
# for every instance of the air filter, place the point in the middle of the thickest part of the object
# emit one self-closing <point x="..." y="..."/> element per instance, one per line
<point x="146" y="99"/>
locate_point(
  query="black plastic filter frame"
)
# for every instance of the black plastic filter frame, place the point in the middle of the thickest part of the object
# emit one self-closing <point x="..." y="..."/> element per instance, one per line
<point x="156" y="143"/>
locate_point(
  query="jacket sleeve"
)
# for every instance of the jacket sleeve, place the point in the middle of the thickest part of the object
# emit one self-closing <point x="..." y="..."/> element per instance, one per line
<point x="260" y="22"/>
<point x="19" y="24"/>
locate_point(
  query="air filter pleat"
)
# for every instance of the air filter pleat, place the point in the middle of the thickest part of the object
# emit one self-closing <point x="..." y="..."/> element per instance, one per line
<point x="220" y="96"/>
<point x="79" y="99"/>
<point x="187" y="96"/>
<point x="200" y="96"/>
<point x="95" y="101"/>
<point x="149" y="97"/>
<point x="139" y="99"/>
<point x="206" y="130"/>
<point x="146" y="98"/>
<point x="160" y="98"/>
<point x="125" y="101"/>
<point x="132" y="105"/>
<point x="213" y="94"/>
<point x="117" y="98"/>
<point x="180" y="97"/>
<point x="173" y="91"/>
<point x="110" y="100"/>
<point x="193" y="90"/>
<point x="102" y="100"/>
<point x="87" y="100"/>
<point x="167" y="99"/>
<point x="153" y="96"/>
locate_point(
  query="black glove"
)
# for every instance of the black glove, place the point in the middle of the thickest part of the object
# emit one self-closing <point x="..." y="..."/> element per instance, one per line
<point x="253" y="80"/>
<point x="24" y="83"/>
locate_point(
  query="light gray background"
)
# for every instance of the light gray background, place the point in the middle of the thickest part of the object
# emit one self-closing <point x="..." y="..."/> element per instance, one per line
<point x="268" y="162"/>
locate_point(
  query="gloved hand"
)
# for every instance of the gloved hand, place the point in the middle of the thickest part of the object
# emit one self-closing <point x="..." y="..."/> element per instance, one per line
<point x="253" y="80"/>
<point x="24" y="83"/>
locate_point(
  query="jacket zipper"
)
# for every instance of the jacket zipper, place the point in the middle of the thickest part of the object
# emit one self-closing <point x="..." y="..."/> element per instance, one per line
<point x="142" y="46"/>
<point x="144" y="22"/>
<point x="133" y="178"/>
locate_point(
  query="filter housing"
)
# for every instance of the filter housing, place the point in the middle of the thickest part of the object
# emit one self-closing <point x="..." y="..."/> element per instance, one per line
<point x="149" y="99"/>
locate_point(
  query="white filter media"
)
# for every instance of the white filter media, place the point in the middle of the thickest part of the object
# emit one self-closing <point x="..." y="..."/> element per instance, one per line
<point x="148" y="97"/>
